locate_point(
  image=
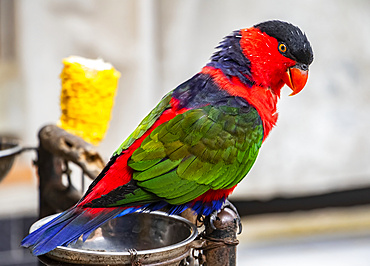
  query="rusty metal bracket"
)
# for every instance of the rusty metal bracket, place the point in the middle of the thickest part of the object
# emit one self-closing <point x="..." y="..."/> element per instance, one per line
<point x="71" y="148"/>
<point x="57" y="147"/>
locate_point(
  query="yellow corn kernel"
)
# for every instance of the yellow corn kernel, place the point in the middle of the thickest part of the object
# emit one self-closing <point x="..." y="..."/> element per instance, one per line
<point x="87" y="97"/>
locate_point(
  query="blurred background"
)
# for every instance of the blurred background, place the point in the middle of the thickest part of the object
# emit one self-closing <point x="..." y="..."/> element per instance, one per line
<point x="306" y="199"/>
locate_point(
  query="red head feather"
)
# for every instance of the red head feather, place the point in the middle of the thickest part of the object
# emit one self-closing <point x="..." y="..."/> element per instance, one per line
<point x="256" y="68"/>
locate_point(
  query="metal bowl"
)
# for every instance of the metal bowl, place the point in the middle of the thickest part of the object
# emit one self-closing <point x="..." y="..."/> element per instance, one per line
<point x="146" y="237"/>
<point x="9" y="148"/>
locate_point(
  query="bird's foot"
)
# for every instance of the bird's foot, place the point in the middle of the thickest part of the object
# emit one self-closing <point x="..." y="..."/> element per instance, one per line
<point x="214" y="215"/>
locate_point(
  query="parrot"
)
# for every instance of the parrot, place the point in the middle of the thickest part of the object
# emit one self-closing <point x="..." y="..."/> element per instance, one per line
<point x="199" y="142"/>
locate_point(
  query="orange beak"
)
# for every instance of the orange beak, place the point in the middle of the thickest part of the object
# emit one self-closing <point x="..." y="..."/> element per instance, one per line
<point x="296" y="79"/>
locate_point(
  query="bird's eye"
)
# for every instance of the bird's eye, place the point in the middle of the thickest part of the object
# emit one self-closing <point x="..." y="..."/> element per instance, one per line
<point x="282" y="47"/>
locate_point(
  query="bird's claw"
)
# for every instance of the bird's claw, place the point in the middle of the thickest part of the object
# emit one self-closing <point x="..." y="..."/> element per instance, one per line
<point x="213" y="217"/>
<point x="229" y="205"/>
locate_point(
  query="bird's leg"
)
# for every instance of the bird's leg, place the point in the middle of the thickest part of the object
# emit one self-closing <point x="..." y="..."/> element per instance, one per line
<point x="214" y="215"/>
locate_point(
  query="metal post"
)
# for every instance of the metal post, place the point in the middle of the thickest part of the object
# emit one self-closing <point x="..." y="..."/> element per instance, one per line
<point x="220" y="248"/>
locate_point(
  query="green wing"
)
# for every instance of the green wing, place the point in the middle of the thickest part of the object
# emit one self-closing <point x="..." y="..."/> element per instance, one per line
<point x="201" y="149"/>
<point x="146" y="123"/>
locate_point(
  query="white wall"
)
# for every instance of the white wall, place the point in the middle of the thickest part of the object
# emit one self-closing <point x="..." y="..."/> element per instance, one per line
<point x="321" y="141"/>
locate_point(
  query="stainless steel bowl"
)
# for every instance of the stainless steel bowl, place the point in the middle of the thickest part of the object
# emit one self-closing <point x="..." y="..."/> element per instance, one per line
<point x="156" y="238"/>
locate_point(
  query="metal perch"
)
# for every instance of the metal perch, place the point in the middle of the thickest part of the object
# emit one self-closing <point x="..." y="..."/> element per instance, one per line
<point x="214" y="246"/>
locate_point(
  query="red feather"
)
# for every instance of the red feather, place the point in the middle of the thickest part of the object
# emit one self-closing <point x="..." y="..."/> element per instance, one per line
<point x="215" y="195"/>
<point x="262" y="99"/>
<point x="267" y="63"/>
<point x="267" y="70"/>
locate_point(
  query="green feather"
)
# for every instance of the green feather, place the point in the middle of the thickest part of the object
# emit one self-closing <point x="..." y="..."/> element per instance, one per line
<point x="157" y="170"/>
<point x="167" y="180"/>
<point x="147" y="122"/>
<point x="215" y="172"/>
<point x="184" y="165"/>
<point x="144" y="164"/>
<point x="180" y="189"/>
<point x="200" y="149"/>
<point x="167" y="137"/>
<point x="190" y="171"/>
<point x="199" y="190"/>
<point x="179" y="153"/>
<point x="138" y="195"/>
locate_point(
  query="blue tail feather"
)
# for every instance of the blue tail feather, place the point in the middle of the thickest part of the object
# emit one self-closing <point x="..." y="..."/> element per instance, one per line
<point x="68" y="227"/>
<point x="57" y="224"/>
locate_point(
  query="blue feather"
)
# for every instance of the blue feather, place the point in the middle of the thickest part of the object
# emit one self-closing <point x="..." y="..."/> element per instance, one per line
<point x="68" y="227"/>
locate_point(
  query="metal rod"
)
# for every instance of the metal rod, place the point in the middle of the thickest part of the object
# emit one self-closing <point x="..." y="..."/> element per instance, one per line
<point x="221" y="244"/>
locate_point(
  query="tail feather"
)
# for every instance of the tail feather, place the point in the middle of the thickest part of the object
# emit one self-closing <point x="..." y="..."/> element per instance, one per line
<point x="69" y="226"/>
<point x="100" y="220"/>
<point x="77" y="221"/>
<point x="31" y="239"/>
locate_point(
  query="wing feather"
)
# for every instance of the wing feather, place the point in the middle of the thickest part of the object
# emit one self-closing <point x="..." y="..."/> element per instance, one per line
<point x="207" y="148"/>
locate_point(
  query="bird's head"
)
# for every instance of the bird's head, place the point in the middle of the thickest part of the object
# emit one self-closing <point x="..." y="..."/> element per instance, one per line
<point x="279" y="53"/>
<point x="269" y="55"/>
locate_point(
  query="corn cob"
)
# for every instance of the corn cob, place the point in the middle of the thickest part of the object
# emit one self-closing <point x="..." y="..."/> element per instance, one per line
<point x="87" y="97"/>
